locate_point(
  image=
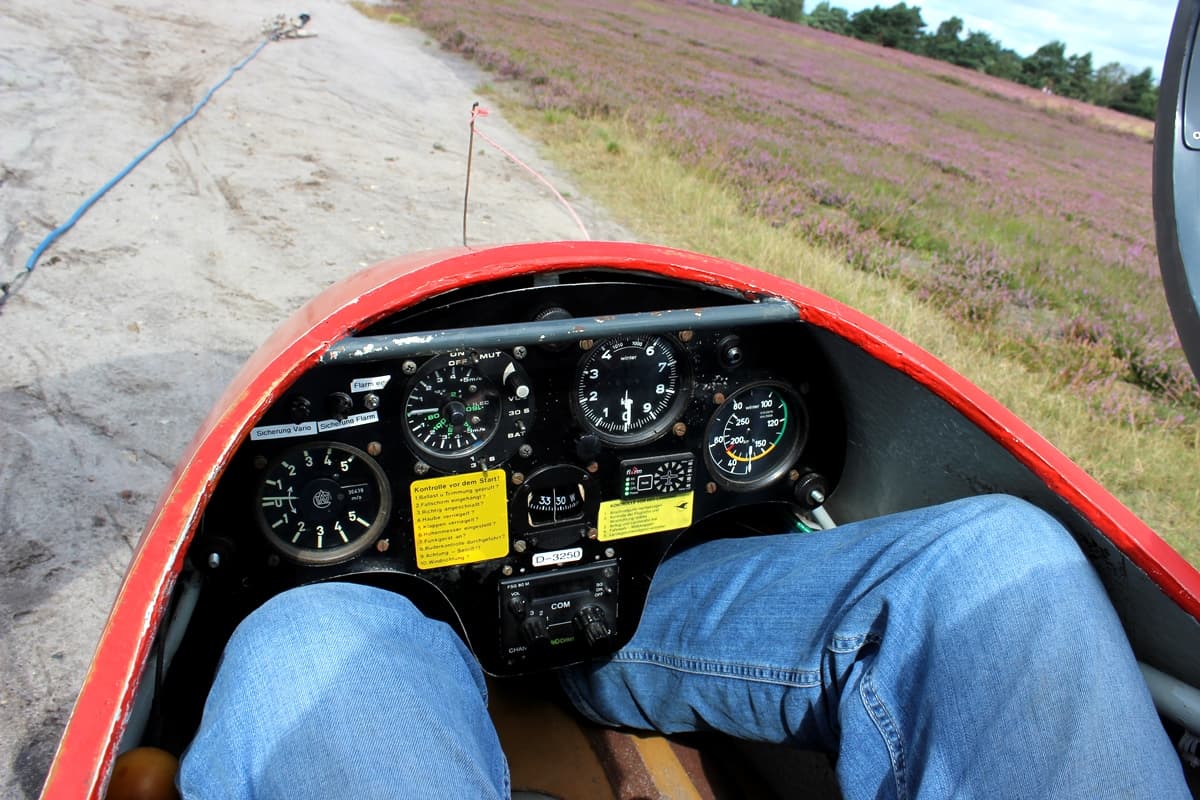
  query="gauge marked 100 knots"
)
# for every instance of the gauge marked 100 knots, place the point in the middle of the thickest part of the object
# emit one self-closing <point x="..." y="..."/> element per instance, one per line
<point x="323" y="502"/>
<point x="755" y="435"/>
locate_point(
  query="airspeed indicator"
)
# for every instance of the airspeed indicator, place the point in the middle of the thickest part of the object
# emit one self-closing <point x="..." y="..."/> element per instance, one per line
<point x="755" y="436"/>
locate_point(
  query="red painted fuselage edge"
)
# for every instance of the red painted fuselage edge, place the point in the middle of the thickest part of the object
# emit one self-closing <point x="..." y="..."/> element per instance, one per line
<point x="88" y="747"/>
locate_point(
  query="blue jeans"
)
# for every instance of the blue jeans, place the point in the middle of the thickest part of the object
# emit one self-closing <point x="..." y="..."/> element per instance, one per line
<point x="963" y="650"/>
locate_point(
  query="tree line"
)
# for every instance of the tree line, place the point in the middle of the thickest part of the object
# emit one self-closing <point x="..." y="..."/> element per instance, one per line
<point x="1049" y="68"/>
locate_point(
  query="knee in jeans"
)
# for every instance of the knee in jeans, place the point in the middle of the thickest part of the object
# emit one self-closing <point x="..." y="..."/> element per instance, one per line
<point x="294" y="618"/>
<point x="1001" y="540"/>
<point x="1004" y="527"/>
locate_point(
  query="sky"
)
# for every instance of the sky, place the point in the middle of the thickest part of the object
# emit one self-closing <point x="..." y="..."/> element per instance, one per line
<point x="1132" y="33"/>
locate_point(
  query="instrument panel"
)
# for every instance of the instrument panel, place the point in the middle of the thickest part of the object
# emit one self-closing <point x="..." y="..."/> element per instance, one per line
<point x="523" y="476"/>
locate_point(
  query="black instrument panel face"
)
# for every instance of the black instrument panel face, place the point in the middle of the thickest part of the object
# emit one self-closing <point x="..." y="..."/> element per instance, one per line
<point x="531" y="490"/>
<point x="629" y="389"/>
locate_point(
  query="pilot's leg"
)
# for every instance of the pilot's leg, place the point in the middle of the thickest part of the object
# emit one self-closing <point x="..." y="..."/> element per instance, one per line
<point x="964" y="650"/>
<point x="339" y="690"/>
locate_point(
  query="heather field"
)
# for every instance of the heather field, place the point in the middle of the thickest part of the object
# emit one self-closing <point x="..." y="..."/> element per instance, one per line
<point x="1021" y="223"/>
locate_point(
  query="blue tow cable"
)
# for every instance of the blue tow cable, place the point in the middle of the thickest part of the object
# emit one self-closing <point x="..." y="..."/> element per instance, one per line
<point x="66" y="226"/>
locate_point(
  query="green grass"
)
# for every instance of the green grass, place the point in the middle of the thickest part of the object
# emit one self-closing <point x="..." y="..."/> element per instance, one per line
<point x="663" y="202"/>
<point x="386" y="14"/>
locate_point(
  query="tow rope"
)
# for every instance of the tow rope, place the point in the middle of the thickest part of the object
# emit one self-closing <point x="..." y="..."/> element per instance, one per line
<point x="279" y="27"/>
<point x="477" y="112"/>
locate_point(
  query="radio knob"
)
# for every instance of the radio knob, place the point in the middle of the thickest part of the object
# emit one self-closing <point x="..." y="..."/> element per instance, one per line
<point x="534" y="631"/>
<point x="592" y="623"/>
<point x="516" y="605"/>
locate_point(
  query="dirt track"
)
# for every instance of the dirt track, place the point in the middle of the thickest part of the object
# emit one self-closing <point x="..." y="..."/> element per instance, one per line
<point x="321" y="156"/>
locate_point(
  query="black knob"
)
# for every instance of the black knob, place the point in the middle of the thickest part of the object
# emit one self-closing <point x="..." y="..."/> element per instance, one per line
<point x="301" y="409"/>
<point x="587" y="447"/>
<point x="534" y="631"/>
<point x="731" y="353"/>
<point x="554" y="312"/>
<point x="811" y="490"/>
<point x="591" y="622"/>
<point x="340" y="405"/>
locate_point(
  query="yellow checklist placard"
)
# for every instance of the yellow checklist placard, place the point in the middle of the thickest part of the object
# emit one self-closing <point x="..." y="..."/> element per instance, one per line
<point x="460" y="519"/>
<point x="620" y="519"/>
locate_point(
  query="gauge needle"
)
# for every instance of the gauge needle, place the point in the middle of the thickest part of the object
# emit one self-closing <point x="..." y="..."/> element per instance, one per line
<point x="278" y="501"/>
<point x="627" y="414"/>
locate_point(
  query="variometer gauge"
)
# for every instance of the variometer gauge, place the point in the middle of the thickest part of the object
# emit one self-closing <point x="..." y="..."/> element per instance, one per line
<point x="451" y="408"/>
<point x="755" y="435"/>
<point x="323" y="502"/>
<point x="468" y="410"/>
<point x="629" y="389"/>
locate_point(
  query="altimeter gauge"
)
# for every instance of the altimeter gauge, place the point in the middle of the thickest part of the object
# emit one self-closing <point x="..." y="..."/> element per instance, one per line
<point x="323" y="502"/>
<point x="629" y="389"/>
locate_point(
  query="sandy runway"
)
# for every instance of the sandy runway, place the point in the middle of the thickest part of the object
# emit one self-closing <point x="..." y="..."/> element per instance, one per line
<point x="321" y="156"/>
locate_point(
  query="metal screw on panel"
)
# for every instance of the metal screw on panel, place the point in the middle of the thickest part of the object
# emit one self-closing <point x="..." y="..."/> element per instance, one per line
<point x="685" y="336"/>
<point x="214" y="560"/>
<point x="718" y="398"/>
<point x="710" y="487"/>
<point x="524" y="451"/>
<point x="679" y="429"/>
<point x="506" y="570"/>
<point x="593" y="467"/>
<point x="382" y="545"/>
<point x="518" y="478"/>
<point x="519" y="545"/>
<point x="420" y="468"/>
<point x="371" y="402"/>
<point x="794" y="475"/>
<point x="592" y="533"/>
<point x="409" y="367"/>
<point x="374" y="448"/>
<point x="586" y="344"/>
<point x="520" y="352"/>
<point x="609" y="552"/>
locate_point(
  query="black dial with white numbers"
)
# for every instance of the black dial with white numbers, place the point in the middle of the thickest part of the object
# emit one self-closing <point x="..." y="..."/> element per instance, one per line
<point x="755" y="435"/>
<point x="323" y="502"/>
<point x="467" y="410"/>
<point x="629" y="389"/>
<point x="452" y="408"/>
